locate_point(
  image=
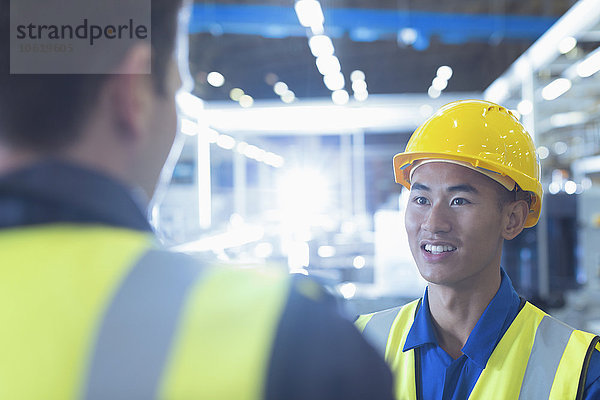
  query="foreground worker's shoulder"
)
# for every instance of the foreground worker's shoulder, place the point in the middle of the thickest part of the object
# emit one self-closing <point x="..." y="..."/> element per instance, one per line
<point x="592" y="382"/>
<point x="319" y="354"/>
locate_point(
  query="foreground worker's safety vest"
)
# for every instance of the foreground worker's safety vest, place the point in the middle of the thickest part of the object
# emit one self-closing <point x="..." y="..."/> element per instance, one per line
<point x="538" y="357"/>
<point x="100" y="313"/>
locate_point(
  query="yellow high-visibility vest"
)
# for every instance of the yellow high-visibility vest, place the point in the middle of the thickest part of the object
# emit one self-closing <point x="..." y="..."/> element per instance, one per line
<point x="538" y="357"/>
<point x="93" y="312"/>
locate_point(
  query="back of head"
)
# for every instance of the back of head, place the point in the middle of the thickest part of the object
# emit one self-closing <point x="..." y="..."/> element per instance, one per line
<point x="43" y="112"/>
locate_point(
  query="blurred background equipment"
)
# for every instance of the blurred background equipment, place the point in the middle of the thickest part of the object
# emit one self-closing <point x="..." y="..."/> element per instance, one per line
<point x="297" y="108"/>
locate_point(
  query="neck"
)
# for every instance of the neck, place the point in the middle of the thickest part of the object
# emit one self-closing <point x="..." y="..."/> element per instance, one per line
<point x="456" y="310"/>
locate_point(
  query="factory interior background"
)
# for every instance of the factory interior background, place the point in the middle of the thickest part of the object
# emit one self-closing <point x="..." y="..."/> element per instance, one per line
<point x="284" y="155"/>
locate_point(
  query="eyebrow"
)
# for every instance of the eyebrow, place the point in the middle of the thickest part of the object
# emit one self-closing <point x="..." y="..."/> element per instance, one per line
<point x="457" y="188"/>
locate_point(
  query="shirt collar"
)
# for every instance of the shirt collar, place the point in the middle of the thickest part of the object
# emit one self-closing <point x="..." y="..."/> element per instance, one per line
<point x="53" y="191"/>
<point x="488" y="331"/>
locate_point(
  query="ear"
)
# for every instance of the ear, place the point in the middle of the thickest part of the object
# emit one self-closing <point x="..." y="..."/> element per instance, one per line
<point x="132" y="92"/>
<point x="515" y="215"/>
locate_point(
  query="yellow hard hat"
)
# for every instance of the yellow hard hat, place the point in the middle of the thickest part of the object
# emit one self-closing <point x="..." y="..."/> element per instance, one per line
<point x="485" y="135"/>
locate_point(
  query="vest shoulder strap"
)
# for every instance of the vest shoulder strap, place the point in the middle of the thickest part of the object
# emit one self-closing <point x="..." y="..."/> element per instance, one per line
<point x="379" y="325"/>
<point x="137" y="328"/>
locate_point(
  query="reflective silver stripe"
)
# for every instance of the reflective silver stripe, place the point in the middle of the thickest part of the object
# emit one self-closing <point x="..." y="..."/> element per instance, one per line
<point x="378" y="328"/>
<point x="550" y="341"/>
<point x="137" y="329"/>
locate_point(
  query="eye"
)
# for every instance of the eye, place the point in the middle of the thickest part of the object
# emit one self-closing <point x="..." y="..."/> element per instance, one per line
<point x="420" y="200"/>
<point x="459" y="201"/>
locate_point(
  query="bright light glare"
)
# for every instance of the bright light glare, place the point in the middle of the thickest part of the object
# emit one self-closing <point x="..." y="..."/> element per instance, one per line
<point x="235" y="94"/>
<point x="280" y="88"/>
<point x="189" y="127"/>
<point x="426" y="110"/>
<point x="328" y="65"/>
<point x="246" y="101"/>
<point x="556" y="88"/>
<point x="298" y="255"/>
<point x="263" y="250"/>
<point x="359" y="262"/>
<point x="570" y="187"/>
<point x="439" y="83"/>
<point x="444" y="72"/>
<point x="586" y="183"/>
<point x="288" y="97"/>
<point x="309" y="13"/>
<point x="433" y="92"/>
<point x="590" y="65"/>
<point x="211" y="135"/>
<point x="567" y="44"/>
<point x="554" y="188"/>
<point x="340" y="97"/>
<point x="359" y="86"/>
<point x="215" y="79"/>
<point x="274" y="160"/>
<point x="525" y="107"/>
<point x="326" y="251"/>
<point x="348" y="290"/>
<point x="320" y="45"/>
<point x="357" y="75"/>
<point x="568" y="118"/>
<point x="334" y="81"/>
<point x="226" y="142"/>
<point x="543" y="152"/>
<point x="303" y="192"/>
<point x="361" y="96"/>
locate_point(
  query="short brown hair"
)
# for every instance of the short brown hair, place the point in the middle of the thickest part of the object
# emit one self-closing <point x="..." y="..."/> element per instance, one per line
<point x="45" y="112"/>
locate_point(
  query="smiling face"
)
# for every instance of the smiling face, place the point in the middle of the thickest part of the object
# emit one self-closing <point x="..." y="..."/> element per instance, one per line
<point x="454" y="225"/>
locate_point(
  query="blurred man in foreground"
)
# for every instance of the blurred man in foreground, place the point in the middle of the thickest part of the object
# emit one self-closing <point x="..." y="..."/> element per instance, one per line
<point x="90" y="305"/>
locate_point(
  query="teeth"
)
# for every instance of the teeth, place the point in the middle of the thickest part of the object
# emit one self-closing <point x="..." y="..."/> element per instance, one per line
<point x="438" y="249"/>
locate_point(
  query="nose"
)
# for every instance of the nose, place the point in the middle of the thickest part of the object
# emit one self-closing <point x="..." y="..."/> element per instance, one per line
<point x="437" y="220"/>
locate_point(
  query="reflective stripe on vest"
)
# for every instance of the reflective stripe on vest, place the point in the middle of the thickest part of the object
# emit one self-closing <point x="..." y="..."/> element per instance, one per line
<point x="538" y="356"/>
<point x="132" y="345"/>
<point x="550" y="334"/>
<point x="70" y="303"/>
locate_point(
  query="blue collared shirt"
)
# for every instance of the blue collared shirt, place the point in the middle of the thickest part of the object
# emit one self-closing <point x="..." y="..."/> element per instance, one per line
<point x="442" y="377"/>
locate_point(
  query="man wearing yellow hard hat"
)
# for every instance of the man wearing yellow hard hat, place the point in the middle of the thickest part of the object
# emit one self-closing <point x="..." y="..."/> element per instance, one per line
<point x="474" y="182"/>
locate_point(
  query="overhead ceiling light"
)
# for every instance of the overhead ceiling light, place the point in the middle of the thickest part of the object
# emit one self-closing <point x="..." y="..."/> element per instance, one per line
<point x="226" y="142"/>
<point x="334" y="81"/>
<point x="189" y="127"/>
<point x="246" y="101"/>
<point x="556" y="88"/>
<point x="590" y="65"/>
<point x="359" y="86"/>
<point x="357" y="75"/>
<point x="215" y="79"/>
<point x="288" y="97"/>
<point x="320" y="45"/>
<point x="525" y="107"/>
<point x="433" y="92"/>
<point x="340" y="97"/>
<point x="439" y="83"/>
<point x="309" y="13"/>
<point x="328" y="65"/>
<point x="444" y="72"/>
<point x="361" y="96"/>
<point x="408" y="36"/>
<point x="235" y="94"/>
<point x="567" y="44"/>
<point x="280" y="88"/>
